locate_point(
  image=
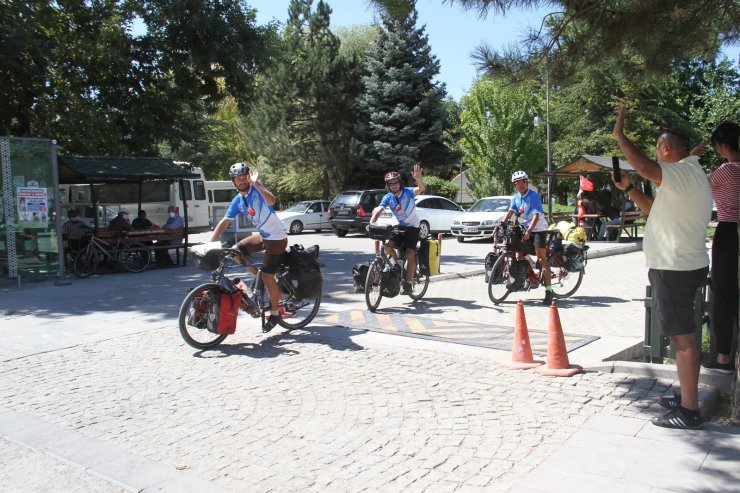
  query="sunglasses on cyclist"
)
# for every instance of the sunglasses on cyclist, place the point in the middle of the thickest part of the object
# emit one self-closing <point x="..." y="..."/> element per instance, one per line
<point x="391" y="183"/>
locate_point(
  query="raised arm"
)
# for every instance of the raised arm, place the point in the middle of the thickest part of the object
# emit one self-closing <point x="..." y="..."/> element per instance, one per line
<point x="416" y="174"/>
<point x="644" y="166"/>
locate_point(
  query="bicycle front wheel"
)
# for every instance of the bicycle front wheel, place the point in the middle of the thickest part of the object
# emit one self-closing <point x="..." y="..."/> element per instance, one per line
<point x="134" y="257"/>
<point x="421" y="282"/>
<point x="564" y="282"/>
<point x="85" y="262"/>
<point x="374" y="285"/>
<point x="198" y="317"/>
<point x="497" y="290"/>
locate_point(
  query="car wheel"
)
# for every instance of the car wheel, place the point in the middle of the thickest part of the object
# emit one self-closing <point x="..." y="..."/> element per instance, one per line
<point x="296" y="227"/>
<point x="341" y="232"/>
<point x="423" y="229"/>
<point x="460" y="239"/>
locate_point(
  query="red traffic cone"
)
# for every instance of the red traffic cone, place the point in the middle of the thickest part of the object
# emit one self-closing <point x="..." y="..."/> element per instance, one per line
<point x="557" y="355"/>
<point x="521" y="351"/>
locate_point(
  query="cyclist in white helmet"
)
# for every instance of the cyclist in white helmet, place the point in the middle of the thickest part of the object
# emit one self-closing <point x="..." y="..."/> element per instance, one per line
<point x="528" y="204"/>
<point x="255" y="202"/>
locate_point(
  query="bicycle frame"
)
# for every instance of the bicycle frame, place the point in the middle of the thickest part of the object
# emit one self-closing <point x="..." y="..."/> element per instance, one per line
<point x="133" y="256"/>
<point x="381" y="261"/>
<point x="563" y="281"/>
<point x="295" y="312"/>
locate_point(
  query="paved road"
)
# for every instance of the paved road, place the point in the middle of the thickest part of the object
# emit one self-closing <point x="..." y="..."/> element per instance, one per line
<point x="100" y="379"/>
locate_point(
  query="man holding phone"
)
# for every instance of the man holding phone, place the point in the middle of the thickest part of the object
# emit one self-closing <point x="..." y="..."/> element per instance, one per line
<point x="675" y="252"/>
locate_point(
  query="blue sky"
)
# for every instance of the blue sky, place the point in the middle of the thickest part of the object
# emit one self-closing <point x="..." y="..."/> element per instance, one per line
<point x="453" y="32"/>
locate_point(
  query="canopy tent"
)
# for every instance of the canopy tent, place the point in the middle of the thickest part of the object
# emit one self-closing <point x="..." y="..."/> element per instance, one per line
<point x="134" y="170"/>
<point x="585" y="165"/>
<point x="590" y="165"/>
<point x="119" y="169"/>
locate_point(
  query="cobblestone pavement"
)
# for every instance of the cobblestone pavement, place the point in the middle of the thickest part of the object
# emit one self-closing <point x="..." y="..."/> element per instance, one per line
<point x="304" y="412"/>
<point x="328" y="409"/>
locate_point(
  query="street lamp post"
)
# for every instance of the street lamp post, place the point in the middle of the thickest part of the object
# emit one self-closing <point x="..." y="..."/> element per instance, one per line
<point x="549" y="146"/>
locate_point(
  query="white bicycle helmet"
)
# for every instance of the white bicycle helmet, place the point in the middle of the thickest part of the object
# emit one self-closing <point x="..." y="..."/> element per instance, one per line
<point x="238" y="169"/>
<point x="519" y="175"/>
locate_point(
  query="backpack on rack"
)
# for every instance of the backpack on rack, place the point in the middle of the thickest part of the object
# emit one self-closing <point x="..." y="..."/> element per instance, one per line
<point x="359" y="275"/>
<point x="423" y="253"/>
<point x="391" y="281"/>
<point x="304" y="271"/>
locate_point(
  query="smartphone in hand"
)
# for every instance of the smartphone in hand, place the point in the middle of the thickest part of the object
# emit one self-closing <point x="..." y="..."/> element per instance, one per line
<point x="616" y="173"/>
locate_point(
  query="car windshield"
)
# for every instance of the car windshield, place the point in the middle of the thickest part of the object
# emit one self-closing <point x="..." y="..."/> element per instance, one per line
<point x="490" y="205"/>
<point x="347" y="199"/>
<point x="299" y="207"/>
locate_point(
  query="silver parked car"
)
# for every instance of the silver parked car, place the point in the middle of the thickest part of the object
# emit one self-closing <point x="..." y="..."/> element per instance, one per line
<point x="436" y="214"/>
<point x="308" y="214"/>
<point x="482" y="218"/>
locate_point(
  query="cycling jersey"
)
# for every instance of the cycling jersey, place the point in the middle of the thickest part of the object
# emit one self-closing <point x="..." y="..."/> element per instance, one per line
<point x="527" y="206"/>
<point x="254" y="208"/>
<point x="403" y="207"/>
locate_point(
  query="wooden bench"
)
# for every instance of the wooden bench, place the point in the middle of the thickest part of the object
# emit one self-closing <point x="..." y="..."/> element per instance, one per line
<point x="152" y="238"/>
<point x="629" y="223"/>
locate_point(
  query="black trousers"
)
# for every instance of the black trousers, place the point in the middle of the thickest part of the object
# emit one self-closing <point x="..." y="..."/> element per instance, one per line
<point x="724" y="285"/>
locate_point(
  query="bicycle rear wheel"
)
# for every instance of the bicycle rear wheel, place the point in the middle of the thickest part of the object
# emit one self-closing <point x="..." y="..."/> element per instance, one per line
<point x="134" y="257"/>
<point x="421" y="281"/>
<point x="198" y="316"/>
<point x="86" y="261"/>
<point x="374" y="284"/>
<point x="299" y="312"/>
<point x="564" y="282"/>
<point x="497" y="290"/>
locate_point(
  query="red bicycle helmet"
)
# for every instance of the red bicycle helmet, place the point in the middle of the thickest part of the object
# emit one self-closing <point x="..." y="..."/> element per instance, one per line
<point x="392" y="175"/>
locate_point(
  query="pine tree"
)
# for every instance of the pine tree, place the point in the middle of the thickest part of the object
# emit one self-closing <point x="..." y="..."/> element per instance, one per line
<point x="402" y="113"/>
<point x="304" y="120"/>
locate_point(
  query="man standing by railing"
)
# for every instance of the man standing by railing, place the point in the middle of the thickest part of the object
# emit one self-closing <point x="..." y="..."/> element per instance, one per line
<point x="675" y="252"/>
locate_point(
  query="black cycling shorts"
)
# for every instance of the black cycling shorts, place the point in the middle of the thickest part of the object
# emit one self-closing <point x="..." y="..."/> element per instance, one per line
<point x="407" y="237"/>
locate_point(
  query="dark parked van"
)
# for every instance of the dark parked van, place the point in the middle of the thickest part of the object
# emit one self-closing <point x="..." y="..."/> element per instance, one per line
<point x="351" y="210"/>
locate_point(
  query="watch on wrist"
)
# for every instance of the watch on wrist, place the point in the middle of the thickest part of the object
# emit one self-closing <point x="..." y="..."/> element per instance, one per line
<point x="629" y="188"/>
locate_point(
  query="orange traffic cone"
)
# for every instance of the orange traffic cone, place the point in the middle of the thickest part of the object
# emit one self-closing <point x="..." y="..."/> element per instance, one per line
<point x="521" y="351"/>
<point x="557" y="355"/>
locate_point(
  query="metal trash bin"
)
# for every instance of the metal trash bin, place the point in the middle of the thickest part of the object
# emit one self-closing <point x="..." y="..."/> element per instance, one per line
<point x="656" y="346"/>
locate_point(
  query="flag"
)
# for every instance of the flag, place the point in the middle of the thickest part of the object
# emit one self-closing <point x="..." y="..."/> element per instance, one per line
<point x="586" y="185"/>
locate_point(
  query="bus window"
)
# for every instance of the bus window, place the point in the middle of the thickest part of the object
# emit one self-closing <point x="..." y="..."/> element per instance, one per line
<point x="199" y="189"/>
<point x="185" y="191"/>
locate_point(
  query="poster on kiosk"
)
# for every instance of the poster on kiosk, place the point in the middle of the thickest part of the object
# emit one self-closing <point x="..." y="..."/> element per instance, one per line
<point x="33" y="209"/>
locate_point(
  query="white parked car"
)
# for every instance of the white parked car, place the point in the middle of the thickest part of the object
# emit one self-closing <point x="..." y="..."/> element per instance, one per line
<point x="481" y="219"/>
<point x="436" y="214"/>
<point x="308" y="214"/>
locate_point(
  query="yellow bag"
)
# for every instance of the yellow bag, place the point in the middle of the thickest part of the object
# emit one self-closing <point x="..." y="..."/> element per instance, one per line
<point x="433" y="257"/>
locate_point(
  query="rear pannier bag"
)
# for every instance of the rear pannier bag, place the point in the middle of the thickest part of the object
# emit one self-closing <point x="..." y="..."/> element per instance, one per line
<point x="304" y="272"/>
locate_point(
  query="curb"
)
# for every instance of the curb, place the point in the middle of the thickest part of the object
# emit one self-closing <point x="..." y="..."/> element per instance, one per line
<point x="710" y="384"/>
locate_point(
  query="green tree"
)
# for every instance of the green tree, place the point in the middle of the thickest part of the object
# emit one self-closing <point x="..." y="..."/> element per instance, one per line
<point x="402" y="113"/>
<point x="303" y="123"/>
<point x="498" y="135"/>
<point x="660" y="32"/>
<point x="99" y="89"/>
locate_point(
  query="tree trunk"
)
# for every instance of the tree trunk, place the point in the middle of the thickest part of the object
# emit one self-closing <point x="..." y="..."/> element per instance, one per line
<point x="331" y="179"/>
<point x="735" y="393"/>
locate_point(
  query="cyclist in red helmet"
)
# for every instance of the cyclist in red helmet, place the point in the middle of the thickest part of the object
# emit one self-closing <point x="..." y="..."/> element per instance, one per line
<point x="401" y="201"/>
<point x="255" y="202"/>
